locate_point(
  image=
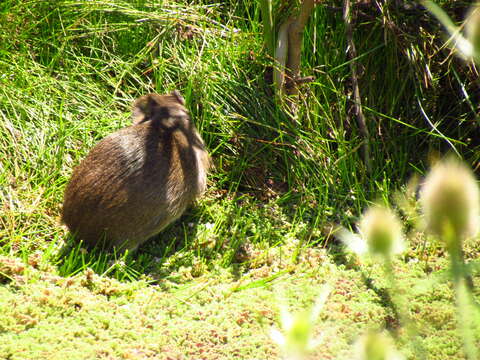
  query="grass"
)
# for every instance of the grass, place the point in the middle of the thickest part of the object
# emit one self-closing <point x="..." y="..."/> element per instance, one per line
<point x="69" y="71"/>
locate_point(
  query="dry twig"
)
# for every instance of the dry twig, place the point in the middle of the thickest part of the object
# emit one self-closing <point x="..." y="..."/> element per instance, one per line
<point x="357" y="101"/>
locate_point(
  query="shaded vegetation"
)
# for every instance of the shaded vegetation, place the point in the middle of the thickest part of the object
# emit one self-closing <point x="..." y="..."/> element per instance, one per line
<point x="69" y="71"/>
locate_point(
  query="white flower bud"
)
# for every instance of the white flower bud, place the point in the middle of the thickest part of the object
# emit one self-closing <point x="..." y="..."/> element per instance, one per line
<point x="382" y="231"/>
<point x="376" y="346"/>
<point x="450" y="200"/>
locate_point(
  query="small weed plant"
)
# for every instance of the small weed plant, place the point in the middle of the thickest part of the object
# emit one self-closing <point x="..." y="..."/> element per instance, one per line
<point x="449" y="199"/>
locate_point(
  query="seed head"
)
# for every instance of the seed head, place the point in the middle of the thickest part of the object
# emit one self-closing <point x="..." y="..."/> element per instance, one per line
<point x="382" y="231"/>
<point x="450" y="199"/>
<point x="468" y="46"/>
<point x="472" y="29"/>
<point x="376" y="346"/>
<point x="296" y="338"/>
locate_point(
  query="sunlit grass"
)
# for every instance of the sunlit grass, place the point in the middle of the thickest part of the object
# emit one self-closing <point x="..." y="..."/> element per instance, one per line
<point x="67" y="95"/>
<point x="69" y="71"/>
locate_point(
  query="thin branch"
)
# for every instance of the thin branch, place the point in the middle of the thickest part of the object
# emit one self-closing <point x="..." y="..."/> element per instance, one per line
<point x="357" y="101"/>
<point x="295" y="40"/>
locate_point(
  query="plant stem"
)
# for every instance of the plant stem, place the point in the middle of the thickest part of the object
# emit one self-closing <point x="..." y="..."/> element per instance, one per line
<point x="295" y="41"/>
<point x="357" y="100"/>
<point x="400" y="304"/>
<point x="463" y="284"/>
<point x="267" y="17"/>
<point x="281" y="53"/>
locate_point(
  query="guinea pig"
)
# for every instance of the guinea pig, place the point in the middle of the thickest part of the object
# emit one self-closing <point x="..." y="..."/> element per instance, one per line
<point x="138" y="180"/>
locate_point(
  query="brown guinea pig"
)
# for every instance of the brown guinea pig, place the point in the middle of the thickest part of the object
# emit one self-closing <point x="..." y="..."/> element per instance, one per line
<point x="139" y="179"/>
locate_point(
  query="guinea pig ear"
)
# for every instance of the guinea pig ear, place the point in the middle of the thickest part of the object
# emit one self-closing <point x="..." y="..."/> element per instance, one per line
<point x="176" y="94"/>
<point x="137" y="116"/>
<point x="138" y="111"/>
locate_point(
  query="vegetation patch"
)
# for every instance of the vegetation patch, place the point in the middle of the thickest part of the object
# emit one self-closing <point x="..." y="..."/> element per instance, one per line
<point x="263" y="242"/>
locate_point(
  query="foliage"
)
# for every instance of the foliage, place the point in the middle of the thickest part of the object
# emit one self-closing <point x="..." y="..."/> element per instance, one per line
<point x="69" y="71"/>
<point x="450" y="210"/>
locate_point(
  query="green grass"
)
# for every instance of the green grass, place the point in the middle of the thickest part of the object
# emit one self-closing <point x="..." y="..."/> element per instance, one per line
<point x="69" y="71"/>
